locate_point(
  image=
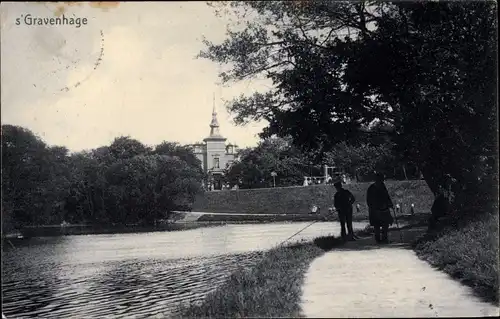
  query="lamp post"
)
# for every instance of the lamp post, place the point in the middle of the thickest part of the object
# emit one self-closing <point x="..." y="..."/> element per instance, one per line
<point x="273" y="174"/>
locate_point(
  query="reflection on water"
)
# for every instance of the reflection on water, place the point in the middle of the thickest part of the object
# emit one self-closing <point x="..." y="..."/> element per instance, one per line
<point x="132" y="275"/>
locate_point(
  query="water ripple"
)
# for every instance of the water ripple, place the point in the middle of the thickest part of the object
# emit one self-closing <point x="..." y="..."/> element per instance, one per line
<point x="131" y="275"/>
<point x="119" y="289"/>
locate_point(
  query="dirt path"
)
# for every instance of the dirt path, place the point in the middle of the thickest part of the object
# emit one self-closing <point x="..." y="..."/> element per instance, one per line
<point x="362" y="279"/>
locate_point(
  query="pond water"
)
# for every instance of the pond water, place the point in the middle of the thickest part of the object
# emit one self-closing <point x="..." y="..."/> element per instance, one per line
<point x="140" y="275"/>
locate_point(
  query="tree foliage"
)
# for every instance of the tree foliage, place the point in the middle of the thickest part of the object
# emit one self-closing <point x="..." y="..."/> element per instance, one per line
<point x="426" y="68"/>
<point x="27" y="169"/>
<point x="182" y="152"/>
<point x="125" y="182"/>
<point x="371" y="153"/>
<point x="254" y="168"/>
<point x="360" y="161"/>
<point x="150" y="185"/>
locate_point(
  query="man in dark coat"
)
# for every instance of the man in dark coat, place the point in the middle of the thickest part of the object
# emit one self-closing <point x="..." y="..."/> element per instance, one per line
<point x="379" y="205"/>
<point x="343" y="201"/>
<point x="442" y="203"/>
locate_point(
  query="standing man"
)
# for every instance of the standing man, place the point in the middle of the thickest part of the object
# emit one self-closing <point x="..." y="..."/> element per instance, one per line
<point x="343" y="201"/>
<point x="379" y="205"/>
<point x="442" y="203"/>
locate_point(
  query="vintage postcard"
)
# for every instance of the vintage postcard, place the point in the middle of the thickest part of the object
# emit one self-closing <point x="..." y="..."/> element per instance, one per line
<point x="243" y="159"/>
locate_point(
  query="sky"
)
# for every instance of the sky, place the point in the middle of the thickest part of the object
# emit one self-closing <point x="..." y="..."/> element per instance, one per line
<point x="130" y="71"/>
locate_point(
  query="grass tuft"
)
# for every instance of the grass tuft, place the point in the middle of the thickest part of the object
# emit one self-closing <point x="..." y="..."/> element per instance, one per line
<point x="270" y="289"/>
<point x="468" y="253"/>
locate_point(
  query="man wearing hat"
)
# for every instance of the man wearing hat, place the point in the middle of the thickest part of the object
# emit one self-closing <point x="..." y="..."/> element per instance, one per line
<point x="379" y="205"/>
<point x="343" y="201"/>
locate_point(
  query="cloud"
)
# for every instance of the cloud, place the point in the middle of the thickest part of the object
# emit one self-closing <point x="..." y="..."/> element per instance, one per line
<point x="37" y="60"/>
<point x="148" y="85"/>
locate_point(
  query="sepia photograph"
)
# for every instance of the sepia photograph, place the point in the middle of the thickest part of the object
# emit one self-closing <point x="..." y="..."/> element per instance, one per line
<point x="249" y="159"/>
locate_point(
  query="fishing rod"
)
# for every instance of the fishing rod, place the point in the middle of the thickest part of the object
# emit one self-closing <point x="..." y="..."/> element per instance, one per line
<point x="397" y="224"/>
<point x="298" y="232"/>
<point x="315" y="208"/>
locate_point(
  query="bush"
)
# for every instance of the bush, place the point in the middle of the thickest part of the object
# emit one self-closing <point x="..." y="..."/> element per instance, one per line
<point x="468" y="253"/>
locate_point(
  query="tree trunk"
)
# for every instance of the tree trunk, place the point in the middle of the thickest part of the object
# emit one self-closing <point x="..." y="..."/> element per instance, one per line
<point x="103" y="205"/>
<point x="90" y="202"/>
<point x="404" y="171"/>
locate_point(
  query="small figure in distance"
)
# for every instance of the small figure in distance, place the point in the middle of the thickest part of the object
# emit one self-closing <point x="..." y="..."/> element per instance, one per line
<point x="442" y="202"/>
<point x="379" y="205"/>
<point x="343" y="201"/>
<point x="328" y="179"/>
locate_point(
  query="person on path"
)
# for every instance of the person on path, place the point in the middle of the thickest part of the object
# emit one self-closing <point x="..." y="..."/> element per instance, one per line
<point x="442" y="203"/>
<point x="343" y="201"/>
<point x="379" y="205"/>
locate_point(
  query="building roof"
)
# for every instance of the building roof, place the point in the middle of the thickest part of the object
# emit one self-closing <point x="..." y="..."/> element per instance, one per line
<point x="215" y="134"/>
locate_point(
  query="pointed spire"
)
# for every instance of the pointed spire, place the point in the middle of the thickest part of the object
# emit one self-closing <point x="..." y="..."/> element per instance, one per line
<point x="214" y="125"/>
<point x="213" y="108"/>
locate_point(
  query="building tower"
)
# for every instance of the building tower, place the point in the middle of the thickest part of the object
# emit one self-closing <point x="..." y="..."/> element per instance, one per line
<point x="214" y="154"/>
<point x="216" y="150"/>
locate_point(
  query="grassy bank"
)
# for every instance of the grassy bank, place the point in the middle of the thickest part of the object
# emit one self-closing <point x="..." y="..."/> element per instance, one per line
<point x="273" y="287"/>
<point x="468" y="254"/>
<point x="270" y="289"/>
<point x="322" y="216"/>
<point x="298" y="200"/>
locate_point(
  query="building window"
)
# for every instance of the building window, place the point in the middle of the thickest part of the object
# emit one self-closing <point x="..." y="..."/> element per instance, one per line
<point x="216" y="162"/>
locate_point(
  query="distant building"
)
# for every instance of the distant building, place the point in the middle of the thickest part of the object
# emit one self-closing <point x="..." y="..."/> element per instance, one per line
<point x="215" y="155"/>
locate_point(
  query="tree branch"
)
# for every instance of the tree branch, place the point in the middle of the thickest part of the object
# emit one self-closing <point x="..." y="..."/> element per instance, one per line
<point x="264" y="69"/>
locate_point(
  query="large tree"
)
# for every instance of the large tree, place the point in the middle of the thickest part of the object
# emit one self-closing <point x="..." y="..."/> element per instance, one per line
<point x="144" y="187"/>
<point x="182" y="152"/>
<point x="255" y="165"/>
<point x="360" y="161"/>
<point x="125" y="147"/>
<point x="35" y="177"/>
<point x="426" y="68"/>
<point x="120" y="183"/>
